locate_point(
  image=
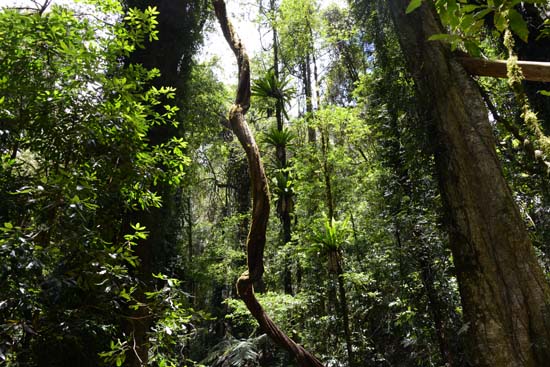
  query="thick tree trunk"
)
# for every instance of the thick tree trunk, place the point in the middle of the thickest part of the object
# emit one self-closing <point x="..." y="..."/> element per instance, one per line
<point x="138" y="322"/>
<point x="505" y="295"/>
<point x="180" y="26"/>
<point x="260" y="197"/>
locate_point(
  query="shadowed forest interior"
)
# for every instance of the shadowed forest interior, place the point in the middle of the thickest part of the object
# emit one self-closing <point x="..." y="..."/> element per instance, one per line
<point x="274" y="183"/>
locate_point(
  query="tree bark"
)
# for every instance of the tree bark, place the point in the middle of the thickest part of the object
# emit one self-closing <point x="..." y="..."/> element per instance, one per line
<point x="505" y="295"/>
<point x="344" y="309"/>
<point x="180" y="25"/>
<point x="306" y="80"/>
<point x="260" y="197"/>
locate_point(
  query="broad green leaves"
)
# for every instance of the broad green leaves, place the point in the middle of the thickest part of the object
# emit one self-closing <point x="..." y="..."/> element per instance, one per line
<point x="279" y="138"/>
<point x="518" y="25"/>
<point x="269" y="90"/>
<point x="333" y="234"/>
<point x="75" y="160"/>
<point x="142" y="24"/>
<point x="413" y="5"/>
<point x="466" y="20"/>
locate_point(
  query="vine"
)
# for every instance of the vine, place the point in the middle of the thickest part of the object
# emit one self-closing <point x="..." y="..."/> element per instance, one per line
<point x="515" y="78"/>
<point x="260" y="197"/>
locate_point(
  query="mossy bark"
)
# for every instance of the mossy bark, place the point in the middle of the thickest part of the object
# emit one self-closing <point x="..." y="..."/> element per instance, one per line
<point x="505" y="295"/>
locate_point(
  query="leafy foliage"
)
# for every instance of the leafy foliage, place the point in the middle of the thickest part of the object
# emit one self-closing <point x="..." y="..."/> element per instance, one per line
<point x="75" y="160"/>
<point x="87" y="138"/>
<point x="269" y="87"/>
<point x="333" y="235"/>
<point x="279" y="138"/>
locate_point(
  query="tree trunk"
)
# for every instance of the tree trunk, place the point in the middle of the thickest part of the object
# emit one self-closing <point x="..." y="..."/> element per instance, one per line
<point x="504" y="293"/>
<point x="306" y="80"/>
<point x="327" y="173"/>
<point x="284" y="209"/>
<point x="180" y="25"/>
<point x="344" y="309"/>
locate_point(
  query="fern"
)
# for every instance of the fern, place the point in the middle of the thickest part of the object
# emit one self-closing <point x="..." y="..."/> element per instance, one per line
<point x="269" y="87"/>
<point x="236" y="352"/>
<point x="279" y="138"/>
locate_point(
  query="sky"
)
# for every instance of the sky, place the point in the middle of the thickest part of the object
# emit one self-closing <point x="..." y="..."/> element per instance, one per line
<point x="243" y="14"/>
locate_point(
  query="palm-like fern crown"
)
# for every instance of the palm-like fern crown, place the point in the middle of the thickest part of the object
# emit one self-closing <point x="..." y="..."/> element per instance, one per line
<point x="279" y="138"/>
<point x="333" y="235"/>
<point x="269" y="87"/>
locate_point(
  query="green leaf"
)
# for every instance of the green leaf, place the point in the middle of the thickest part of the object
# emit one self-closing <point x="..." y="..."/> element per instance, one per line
<point x="469" y="8"/>
<point x="518" y="25"/>
<point x="413" y="5"/>
<point x="500" y="21"/>
<point x="472" y="48"/>
<point x="444" y="37"/>
<point x="545" y="92"/>
<point x="63" y="45"/>
<point x="481" y="14"/>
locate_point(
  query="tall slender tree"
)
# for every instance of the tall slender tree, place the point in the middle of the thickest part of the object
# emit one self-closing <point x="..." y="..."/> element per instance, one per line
<point x="274" y="86"/>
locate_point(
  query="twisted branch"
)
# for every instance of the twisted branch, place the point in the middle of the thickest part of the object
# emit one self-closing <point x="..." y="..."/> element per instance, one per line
<point x="260" y="197"/>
